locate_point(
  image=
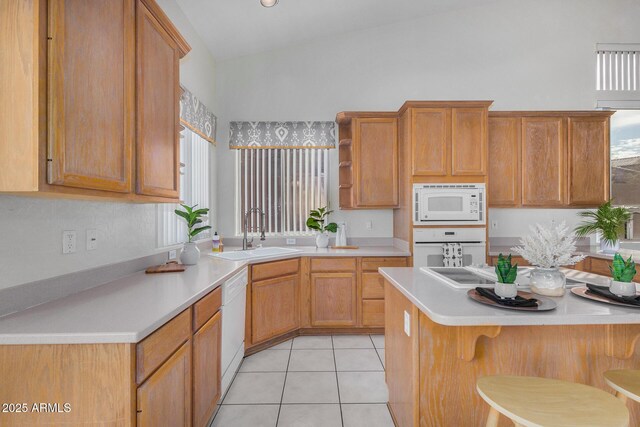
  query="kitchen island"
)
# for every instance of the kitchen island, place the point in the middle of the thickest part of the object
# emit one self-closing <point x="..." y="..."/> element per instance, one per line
<point x="439" y="341"/>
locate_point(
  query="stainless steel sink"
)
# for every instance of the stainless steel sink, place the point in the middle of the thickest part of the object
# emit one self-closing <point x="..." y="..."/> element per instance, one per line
<point x="255" y="253"/>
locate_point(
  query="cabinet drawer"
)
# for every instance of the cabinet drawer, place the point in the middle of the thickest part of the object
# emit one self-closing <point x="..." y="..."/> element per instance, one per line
<point x="372" y="264"/>
<point x="206" y="307"/>
<point x="333" y="264"/>
<point x="373" y="312"/>
<point x="157" y="347"/>
<point x="372" y="285"/>
<point x="274" y="269"/>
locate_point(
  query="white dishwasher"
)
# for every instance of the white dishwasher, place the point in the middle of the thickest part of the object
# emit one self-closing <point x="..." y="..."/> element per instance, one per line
<point x="234" y="302"/>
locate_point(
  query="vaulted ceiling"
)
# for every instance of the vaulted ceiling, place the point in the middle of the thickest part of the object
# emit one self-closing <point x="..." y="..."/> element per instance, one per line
<point x="233" y="28"/>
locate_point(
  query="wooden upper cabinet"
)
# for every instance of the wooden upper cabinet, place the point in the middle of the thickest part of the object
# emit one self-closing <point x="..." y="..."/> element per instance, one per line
<point x="368" y="155"/>
<point x="165" y="397"/>
<point x="334" y="299"/>
<point x="274" y="307"/>
<point x="206" y="370"/>
<point x="504" y="161"/>
<point x="91" y="94"/>
<point x="158" y="110"/>
<point x="543" y="161"/>
<point x="469" y="141"/>
<point x="588" y="154"/>
<point x="431" y="133"/>
<point x="376" y="162"/>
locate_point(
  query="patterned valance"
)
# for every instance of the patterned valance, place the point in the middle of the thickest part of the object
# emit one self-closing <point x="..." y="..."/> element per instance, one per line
<point x="197" y="117"/>
<point x="244" y="135"/>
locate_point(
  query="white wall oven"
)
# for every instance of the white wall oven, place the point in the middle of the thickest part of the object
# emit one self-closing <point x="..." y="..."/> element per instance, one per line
<point x="449" y="247"/>
<point x="449" y="204"/>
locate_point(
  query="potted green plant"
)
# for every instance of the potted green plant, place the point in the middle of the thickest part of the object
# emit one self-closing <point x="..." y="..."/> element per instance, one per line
<point x="316" y="221"/>
<point x="190" y="253"/>
<point x="609" y="222"/>
<point x="506" y="286"/>
<point x="622" y="273"/>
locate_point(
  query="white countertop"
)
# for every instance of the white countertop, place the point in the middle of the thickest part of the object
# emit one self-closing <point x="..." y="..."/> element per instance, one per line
<point x="452" y="307"/>
<point x="129" y="309"/>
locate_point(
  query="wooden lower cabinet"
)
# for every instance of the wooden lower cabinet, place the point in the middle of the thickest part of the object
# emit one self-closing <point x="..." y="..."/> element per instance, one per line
<point x="334" y="299"/>
<point x="373" y="312"/>
<point x="206" y="370"/>
<point x="165" y="398"/>
<point x="274" y="307"/>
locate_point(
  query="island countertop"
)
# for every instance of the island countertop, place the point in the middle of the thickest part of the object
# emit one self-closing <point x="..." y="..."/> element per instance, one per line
<point x="449" y="306"/>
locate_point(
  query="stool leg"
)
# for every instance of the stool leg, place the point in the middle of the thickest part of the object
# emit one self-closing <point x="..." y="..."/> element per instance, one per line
<point x="621" y="396"/>
<point x="492" y="419"/>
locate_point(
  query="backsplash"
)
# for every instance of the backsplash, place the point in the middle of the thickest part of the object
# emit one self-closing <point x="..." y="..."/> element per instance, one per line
<point x="31" y="235"/>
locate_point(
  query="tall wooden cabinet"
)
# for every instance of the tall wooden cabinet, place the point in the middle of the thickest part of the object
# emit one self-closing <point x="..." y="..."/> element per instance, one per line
<point x="368" y="155"/>
<point x="91" y="115"/>
<point x="91" y="109"/>
<point x="548" y="159"/>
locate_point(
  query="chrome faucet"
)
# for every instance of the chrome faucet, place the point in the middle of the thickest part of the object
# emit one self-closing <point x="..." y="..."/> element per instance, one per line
<point x="245" y="243"/>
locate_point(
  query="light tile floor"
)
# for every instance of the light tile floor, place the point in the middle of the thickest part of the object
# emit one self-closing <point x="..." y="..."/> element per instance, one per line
<point x="313" y="381"/>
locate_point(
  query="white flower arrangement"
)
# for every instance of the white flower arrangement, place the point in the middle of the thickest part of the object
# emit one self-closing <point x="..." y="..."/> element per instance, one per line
<point x="549" y="247"/>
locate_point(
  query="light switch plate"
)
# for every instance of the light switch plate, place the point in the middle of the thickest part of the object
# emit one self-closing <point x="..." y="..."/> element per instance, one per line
<point x="369" y="225"/>
<point x="173" y="254"/>
<point x="68" y="241"/>
<point x="92" y="240"/>
<point x="291" y="241"/>
<point x="407" y="324"/>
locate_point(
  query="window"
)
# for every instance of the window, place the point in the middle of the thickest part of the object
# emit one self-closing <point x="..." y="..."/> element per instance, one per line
<point x="285" y="183"/>
<point x="618" y="67"/>
<point x="625" y="164"/>
<point x="195" y="153"/>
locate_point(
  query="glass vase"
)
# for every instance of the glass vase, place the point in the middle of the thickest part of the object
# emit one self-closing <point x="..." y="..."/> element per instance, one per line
<point x="548" y="281"/>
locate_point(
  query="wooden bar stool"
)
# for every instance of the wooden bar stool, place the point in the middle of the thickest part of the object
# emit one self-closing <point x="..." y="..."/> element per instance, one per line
<point x="625" y="382"/>
<point x="542" y="402"/>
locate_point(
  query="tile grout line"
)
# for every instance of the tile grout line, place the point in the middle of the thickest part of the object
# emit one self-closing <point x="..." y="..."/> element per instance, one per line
<point x="286" y="373"/>
<point x="335" y="365"/>
<point x="377" y="353"/>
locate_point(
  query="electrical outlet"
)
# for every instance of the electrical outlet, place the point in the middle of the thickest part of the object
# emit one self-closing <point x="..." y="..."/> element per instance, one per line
<point x="407" y="324"/>
<point x="369" y="225"/>
<point x="68" y="242"/>
<point x="173" y="254"/>
<point x="494" y="224"/>
<point x="291" y="241"/>
<point x="92" y="240"/>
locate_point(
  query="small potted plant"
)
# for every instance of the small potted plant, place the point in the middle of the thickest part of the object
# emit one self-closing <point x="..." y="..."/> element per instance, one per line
<point x="548" y="249"/>
<point x="506" y="285"/>
<point x="622" y="273"/>
<point x="190" y="253"/>
<point x="316" y="221"/>
<point x="609" y="222"/>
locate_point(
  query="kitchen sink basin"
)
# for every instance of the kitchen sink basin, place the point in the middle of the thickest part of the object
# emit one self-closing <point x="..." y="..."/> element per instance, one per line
<point x="254" y="253"/>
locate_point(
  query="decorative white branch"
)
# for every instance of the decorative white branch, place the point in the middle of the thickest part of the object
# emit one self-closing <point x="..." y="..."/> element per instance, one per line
<point x="549" y="247"/>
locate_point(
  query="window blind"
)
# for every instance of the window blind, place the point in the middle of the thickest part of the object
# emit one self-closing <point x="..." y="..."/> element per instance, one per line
<point x="618" y="67"/>
<point x="285" y="183"/>
<point x="194" y="189"/>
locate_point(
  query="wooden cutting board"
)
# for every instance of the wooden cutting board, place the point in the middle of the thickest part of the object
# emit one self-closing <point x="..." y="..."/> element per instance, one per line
<point x="170" y="267"/>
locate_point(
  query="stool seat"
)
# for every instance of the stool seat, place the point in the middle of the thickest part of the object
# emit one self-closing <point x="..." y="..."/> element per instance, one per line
<point x="538" y="402"/>
<point x="624" y="381"/>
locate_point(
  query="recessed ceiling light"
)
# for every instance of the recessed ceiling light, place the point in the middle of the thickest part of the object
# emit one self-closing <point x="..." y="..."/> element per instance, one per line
<point x="268" y="3"/>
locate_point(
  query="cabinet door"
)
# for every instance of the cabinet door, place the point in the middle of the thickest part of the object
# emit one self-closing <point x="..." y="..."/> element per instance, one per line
<point x="373" y="312"/>
<point x="164" y="399"/>
<point x="588" y="139"/>
<point x="543" y="161"/>
<point x="469" y="141"/>
<point x="274" y="307"/>
<point x="91" y="95"/>
<point x="504" y="161"/>
<point x="333" y="299"/>
<point x="206" y="370"/>
<point x="376" y="168"/>
<point x="158" y="114"/>
<point x="431" y="134"/>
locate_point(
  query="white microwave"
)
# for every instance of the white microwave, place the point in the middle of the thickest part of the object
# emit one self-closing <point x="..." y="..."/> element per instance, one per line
<point x="449" y="204"/>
